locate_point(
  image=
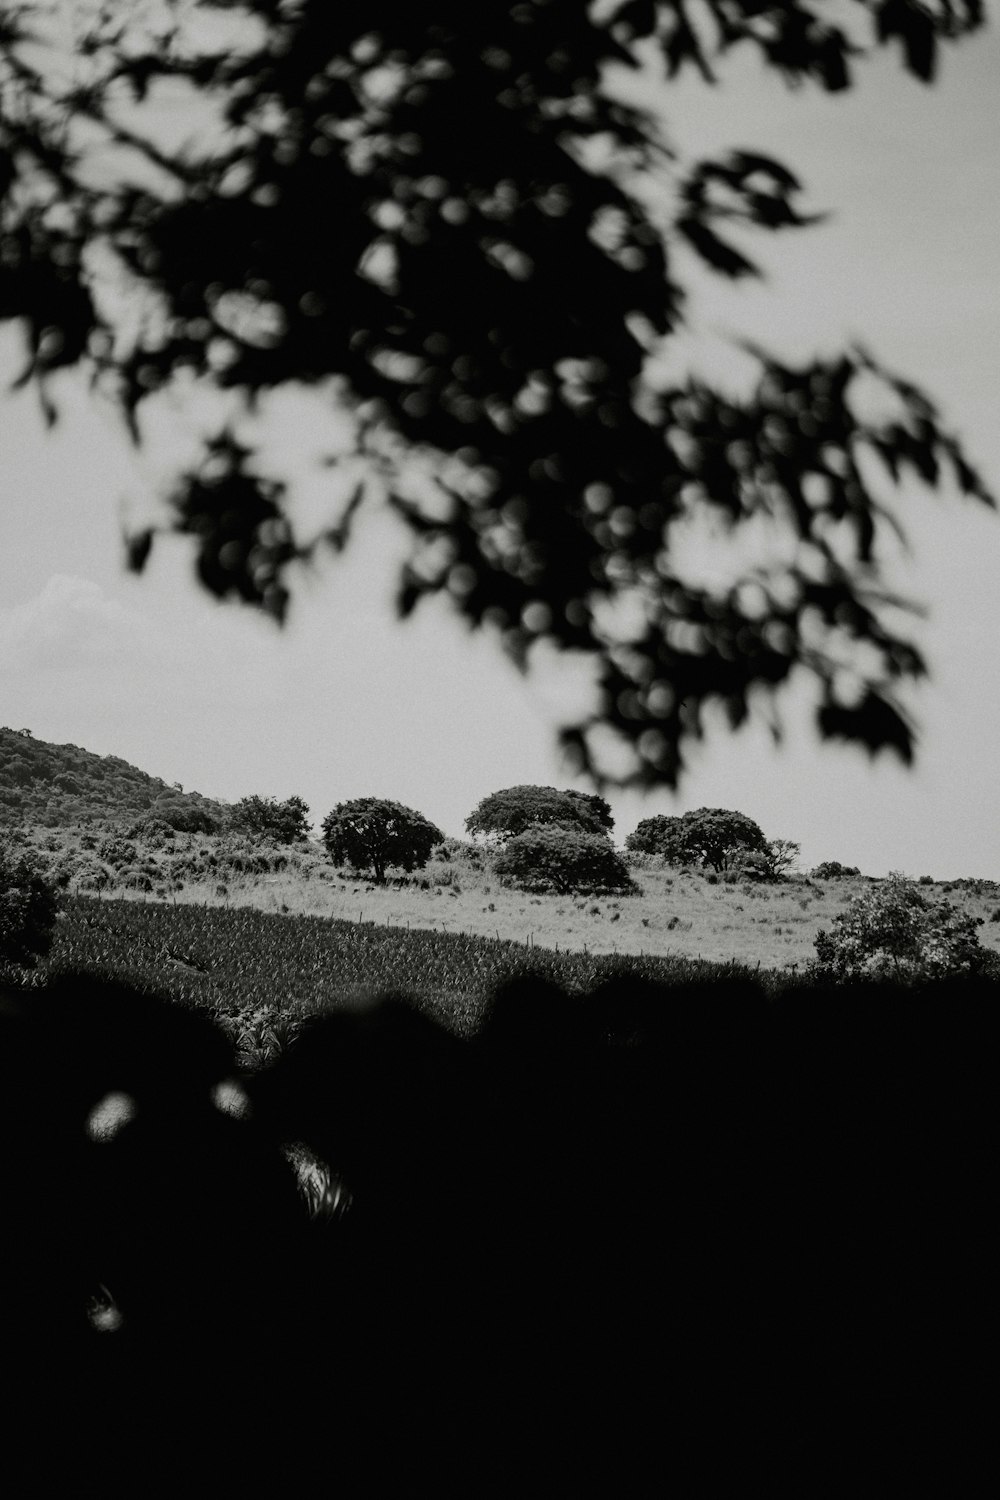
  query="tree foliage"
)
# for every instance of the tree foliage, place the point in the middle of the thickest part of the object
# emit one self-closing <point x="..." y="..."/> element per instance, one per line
<point x="660" y="834"/>
<point x="708" y="836"/>
<point x="832" y="869"/>
<point x="28" y="908"/>
<point x="58" y="785"/>
<point x="373" y="833"/>
<point x="265" y="817"/>
<point x="564" y="859"/>
<point x="511" y="811"/>
<point x="450" y="222"/>
<point x="894" y="930"/>
<point x="782" y="856"/>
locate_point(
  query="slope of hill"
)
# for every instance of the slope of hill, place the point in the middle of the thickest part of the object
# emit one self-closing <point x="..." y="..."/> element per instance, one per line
<point x="60" y="785"/>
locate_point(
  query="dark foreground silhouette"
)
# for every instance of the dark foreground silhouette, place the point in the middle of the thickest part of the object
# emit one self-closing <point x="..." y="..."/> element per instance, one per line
<point x="654" y="1237"/>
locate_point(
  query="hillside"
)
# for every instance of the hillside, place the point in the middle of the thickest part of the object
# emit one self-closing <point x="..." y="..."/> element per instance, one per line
<point x="58" y="786"/>
<point x="688" y="914"/>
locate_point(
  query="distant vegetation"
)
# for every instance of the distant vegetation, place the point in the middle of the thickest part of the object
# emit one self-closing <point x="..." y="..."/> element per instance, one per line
<point x="372" y="833"/>
<point x="567" y="860"/>
<point x="896" y="931"/>
<point x="57" y="785"/>
<point x="504" y="814"/>
<point x="711" y="836"/>
<point x="541" y="870"/>
<point x="265" y="817"/>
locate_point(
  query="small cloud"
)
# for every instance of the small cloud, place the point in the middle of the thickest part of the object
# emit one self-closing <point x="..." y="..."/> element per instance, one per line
<point x="71" y="623"/>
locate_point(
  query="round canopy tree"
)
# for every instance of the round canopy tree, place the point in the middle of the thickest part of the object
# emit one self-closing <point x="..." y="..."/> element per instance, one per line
<point x="401" y="208"/>
<point x="372" y="833"/>
<point x="707" y="836"/>
<point x="657" y="835"/>
<point x="563" y="859"/>
<point x="506" y="813"/>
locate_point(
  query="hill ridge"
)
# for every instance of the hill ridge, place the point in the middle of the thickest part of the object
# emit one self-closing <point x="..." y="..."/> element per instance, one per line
<point x="63" y="785"/>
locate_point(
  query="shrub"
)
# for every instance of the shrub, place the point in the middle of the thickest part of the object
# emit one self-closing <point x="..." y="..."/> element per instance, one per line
<point x="754" y="865"/>
<point x="894" y="930"/>
<point x="461" y="852"/>
<point x="564" y="860"/>
<point x="184" y="817"/>
<point x="832" y="869"/>
<point x="264" y="817"/>
<point x="118" y="852"/>
<point x="152" y="830"/>
<point x="28" y="907"/>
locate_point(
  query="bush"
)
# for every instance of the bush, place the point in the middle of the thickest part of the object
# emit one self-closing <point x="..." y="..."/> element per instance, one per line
<point x="754" y="865"/>
<point x="116" y="851"/>
<point x="563" y="859"/>
<point x="264" y="817"/>
<point x="28" y="907"/>
<point x="153" y="831"/>
<point x="460" y="852"/>
<point x="185" y="818"/>
<point x="895" y="931"/>
<point x="832" y="869"/>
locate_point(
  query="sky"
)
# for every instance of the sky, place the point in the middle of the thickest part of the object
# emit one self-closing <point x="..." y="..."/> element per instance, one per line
<point x="346" y="702"/>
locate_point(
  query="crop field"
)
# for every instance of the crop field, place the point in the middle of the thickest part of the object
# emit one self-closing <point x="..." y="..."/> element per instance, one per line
<point x="240" y="961"/>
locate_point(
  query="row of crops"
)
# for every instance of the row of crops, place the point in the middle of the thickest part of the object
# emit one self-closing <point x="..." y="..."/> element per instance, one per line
<point x="238" y="960"/>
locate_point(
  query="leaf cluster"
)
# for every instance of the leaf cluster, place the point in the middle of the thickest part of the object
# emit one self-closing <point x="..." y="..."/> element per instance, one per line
<point x="449" y="224"/>
<point x="511" y="811"/>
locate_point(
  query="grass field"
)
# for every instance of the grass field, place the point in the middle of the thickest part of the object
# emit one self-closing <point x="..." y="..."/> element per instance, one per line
<point x="677" y="913"/>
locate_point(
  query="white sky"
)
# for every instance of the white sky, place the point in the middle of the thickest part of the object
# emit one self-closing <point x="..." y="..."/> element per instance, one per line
<point x="345" y="702"/>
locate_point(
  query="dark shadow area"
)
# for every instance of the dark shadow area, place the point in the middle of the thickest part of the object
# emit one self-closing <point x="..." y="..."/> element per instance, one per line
<point x="685" y="1235"/>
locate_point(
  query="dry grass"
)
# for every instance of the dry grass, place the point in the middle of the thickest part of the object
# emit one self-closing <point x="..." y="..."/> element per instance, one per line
<point x="675" y="914"/>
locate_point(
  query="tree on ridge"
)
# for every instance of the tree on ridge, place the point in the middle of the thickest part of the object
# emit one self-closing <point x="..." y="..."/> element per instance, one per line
<point x="509" y="812"/>
<point x="375" y="833"/>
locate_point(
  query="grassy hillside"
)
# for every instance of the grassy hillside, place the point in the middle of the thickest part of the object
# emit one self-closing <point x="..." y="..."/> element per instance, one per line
<point x="60" y="785"/>
<point x="678" y="913"/>
<point x="254" y="968"/>
<point x="87" y="819"/>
